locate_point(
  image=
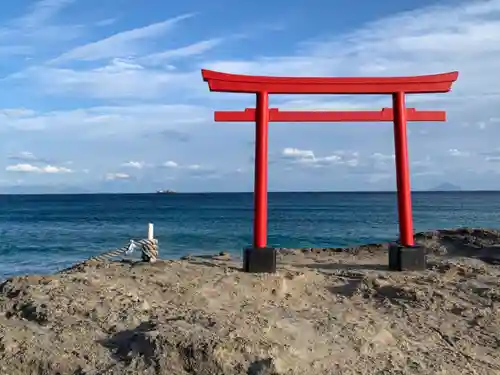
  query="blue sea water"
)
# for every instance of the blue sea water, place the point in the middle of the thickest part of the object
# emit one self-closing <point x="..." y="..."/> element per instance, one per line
<point x="45" y="233"/>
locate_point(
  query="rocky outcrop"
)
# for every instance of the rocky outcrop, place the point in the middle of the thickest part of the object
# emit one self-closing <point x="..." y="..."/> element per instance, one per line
<point x="325" y="311"/>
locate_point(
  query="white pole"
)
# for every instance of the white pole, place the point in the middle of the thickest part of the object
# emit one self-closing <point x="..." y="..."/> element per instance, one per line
<point x="150" y="231"/>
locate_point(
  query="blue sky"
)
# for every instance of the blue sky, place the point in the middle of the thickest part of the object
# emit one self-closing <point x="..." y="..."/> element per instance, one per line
<point x="107" y="95"/>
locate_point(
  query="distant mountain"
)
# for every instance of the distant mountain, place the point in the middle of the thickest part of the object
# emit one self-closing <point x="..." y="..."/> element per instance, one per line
<point x="446" y="186"/>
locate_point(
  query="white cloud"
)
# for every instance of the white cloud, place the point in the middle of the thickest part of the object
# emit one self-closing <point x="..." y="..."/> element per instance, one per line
<point x="54" y="169"/>
<point x="13" y="113"/>
<point x="29" y="168"/>
<point x="27" y="155"/>
<point x="377" y="156"/>
<point x="30" y="158"/>
<point x="494" y="159"/>
<point x="189" y="167"/>
<point x="119" y="79"/>
<point x="117" y="176"/>
<point x="134" y="164"/>
<point x="296" y="153"/>
<point x="24" y="156"/>
<point x="122" y="44"/>
<point x="25" y="35"/>
<point x="192" y="170"/>
<point x="458" y="153"/>
<point x="22" y="168"/>
<point x="308" y="158"/>
<point x="492" y="156"/>
<point x="106" y="22"/>
<point x="41" y="12"/>
<point x="186" y="51"/>
<point x="426" y="162"/>
<point x="170" y="164"/>
<point x="352" y="162"/>
<point x="130" y="120"/>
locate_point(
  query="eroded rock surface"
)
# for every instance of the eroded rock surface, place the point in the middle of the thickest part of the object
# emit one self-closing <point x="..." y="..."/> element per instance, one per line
<point x="326" y="311"/>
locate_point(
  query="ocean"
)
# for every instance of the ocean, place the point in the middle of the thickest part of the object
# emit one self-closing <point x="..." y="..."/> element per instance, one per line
<point x="45" y="233"/>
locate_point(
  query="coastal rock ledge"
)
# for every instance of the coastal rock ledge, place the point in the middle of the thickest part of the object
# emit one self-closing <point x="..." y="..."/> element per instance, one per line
<point x="324" y="312"/>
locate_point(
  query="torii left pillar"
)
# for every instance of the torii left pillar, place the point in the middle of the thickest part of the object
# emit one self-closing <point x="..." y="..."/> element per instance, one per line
<point x="402" y="170"/>
<point x="261" y="163"/>
<point x="259" y="258"/>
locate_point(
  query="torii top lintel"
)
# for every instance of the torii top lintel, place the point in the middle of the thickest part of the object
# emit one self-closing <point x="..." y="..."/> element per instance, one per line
<point x="225" y="82"/>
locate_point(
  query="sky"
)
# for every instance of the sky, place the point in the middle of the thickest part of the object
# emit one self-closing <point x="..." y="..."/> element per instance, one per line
<point x="107" y="96"/>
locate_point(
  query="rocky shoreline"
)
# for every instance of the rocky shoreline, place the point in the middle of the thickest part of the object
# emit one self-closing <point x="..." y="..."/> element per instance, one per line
<point x="326" y="311"/>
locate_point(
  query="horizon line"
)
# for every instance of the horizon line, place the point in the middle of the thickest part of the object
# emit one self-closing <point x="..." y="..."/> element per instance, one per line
<point x="251" y="192"/>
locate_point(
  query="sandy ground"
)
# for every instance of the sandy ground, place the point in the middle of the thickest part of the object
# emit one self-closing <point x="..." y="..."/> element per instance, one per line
<point x="327" y="311"/>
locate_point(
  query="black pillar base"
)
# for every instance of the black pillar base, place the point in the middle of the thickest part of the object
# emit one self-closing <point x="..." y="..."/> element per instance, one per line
<point x="259" y="260"/>
<point x="407" y="258"/>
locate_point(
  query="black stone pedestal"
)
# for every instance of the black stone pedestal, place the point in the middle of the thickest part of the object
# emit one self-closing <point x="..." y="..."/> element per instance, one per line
<point x="259" y="260"/>
<point x="407" y="258"/>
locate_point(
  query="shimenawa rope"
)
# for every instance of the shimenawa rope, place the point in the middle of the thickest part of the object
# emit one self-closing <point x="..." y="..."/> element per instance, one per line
<point x="149" y="249"/>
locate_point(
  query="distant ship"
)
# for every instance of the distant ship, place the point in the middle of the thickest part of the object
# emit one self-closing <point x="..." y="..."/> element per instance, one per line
<point x="168" y="191"/>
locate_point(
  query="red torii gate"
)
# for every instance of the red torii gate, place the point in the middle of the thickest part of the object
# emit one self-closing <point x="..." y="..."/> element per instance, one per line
<point x="262" y="86"/>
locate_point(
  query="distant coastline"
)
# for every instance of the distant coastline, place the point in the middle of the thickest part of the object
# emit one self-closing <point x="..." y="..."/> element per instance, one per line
<point x="446" y="186"/>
